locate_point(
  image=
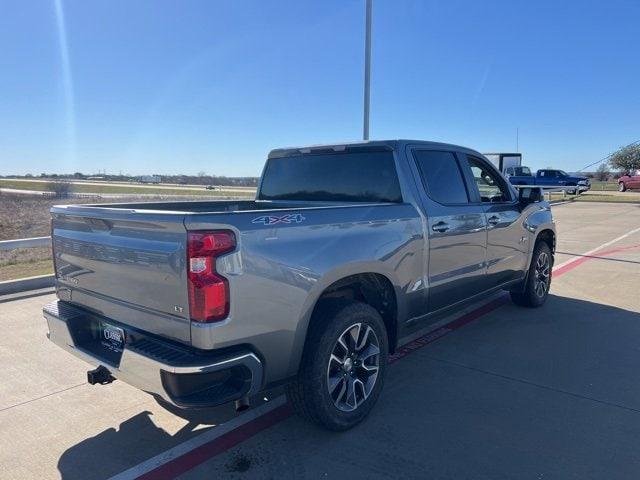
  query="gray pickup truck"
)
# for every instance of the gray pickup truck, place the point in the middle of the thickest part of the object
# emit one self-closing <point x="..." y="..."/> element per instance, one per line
<point x="345" y="252"/>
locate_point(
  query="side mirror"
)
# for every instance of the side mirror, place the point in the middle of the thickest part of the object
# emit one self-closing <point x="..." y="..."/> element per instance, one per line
<point x="527" y="195"/>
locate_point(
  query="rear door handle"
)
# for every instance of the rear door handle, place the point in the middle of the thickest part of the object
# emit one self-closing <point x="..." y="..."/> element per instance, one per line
<point x="440" y="227"/>
<point x="493" y="220"/>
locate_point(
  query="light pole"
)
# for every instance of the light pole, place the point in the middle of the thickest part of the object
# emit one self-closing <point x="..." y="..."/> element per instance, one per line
<point x="367" y="71"/>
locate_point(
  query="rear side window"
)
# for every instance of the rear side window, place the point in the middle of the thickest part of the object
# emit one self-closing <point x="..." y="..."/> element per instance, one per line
<point x="441" y="176"/>
<point x="334" y="177"/>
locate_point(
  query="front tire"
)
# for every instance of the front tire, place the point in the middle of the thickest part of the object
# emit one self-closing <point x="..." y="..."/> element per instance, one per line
<point x="343" y="365"/>
<point x="536" y="288"/>
<point x="622" y="187"/>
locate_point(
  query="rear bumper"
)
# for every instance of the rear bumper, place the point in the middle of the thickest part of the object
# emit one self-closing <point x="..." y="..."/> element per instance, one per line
<point x="176" y="374"/>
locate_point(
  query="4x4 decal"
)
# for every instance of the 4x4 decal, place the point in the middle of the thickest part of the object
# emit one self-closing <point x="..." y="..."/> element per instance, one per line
<point x="273" y="220"/>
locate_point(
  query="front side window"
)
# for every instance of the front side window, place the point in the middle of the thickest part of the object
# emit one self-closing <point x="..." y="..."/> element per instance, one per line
<point x="441" y="176"/>
<point x="490" y="185"/>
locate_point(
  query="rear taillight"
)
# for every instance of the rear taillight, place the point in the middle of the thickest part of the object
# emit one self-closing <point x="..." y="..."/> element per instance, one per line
<point x="208" y="291"/>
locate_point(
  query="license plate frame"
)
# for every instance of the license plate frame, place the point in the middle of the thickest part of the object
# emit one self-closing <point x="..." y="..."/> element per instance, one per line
<point x="112" y="337"/>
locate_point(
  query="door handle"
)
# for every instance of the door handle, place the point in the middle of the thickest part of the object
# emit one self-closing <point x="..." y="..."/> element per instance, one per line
<point x="493" y="220"/>
<point x="440" y="227"/>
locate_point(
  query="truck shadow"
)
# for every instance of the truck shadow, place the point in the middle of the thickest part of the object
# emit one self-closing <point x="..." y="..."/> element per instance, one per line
<point x="138" y="439"/>
<point x="551" y="360"/>
<point x="117" y="449"/>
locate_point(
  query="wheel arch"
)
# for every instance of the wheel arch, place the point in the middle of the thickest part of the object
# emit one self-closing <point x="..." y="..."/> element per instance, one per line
<point x="549" y="237"/>
<point x="370" y="286"/>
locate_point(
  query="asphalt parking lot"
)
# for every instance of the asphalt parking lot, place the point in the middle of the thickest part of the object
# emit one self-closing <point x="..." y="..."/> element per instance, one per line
<point x="495" y="392"/>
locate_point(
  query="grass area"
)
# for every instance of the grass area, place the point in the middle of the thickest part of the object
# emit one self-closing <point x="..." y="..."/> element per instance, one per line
<point x="25" y="216"/>
<point x="585" y="197"/>
<point x="26" y="269"/>
<point x="124" y="189"/>
<point x="25" y="262"/>
<point x="609" y="198"/>
<point x="604" y="186"/>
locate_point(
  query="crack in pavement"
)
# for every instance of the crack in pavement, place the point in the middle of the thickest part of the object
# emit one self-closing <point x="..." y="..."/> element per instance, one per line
<point x="41" y="397"/>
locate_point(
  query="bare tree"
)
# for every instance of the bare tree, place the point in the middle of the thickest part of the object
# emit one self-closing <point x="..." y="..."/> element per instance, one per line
<point x="60" y="189"/>
<point x="602" y="173"/>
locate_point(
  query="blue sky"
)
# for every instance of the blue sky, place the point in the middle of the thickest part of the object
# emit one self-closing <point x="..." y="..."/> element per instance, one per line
<point x="181" y="87"/>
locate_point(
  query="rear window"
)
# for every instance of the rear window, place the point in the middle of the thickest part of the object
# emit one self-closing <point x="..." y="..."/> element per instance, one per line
<point x="522" y="171"/>
<point x="333" y="177"/>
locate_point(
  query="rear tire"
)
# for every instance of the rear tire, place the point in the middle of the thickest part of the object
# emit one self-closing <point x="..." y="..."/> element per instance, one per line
<point x="622" y="187"/>
<point x="346" y="346"/>
<point x="536" y="289"/>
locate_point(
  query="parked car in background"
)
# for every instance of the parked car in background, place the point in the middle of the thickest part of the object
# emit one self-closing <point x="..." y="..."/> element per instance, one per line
<point x="154" y="179"/>
<point x="551" y="178"/>
<point x="629" y="181"/>
<point x="346" y="252"/>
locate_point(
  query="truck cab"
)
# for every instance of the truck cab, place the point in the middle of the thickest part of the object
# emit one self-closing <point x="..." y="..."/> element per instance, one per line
<point x="548" y="178"/>
<point x="560" y="178"/>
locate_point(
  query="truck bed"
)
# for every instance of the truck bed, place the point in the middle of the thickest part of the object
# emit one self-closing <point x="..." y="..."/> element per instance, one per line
<point x="208" y="206"/>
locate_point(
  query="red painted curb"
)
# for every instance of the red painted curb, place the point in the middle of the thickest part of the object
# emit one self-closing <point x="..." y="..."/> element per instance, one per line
<point x="201" y="454"/>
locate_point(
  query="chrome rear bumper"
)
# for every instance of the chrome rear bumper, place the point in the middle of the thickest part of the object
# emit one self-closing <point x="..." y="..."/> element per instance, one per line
<point x="183" y="382"/>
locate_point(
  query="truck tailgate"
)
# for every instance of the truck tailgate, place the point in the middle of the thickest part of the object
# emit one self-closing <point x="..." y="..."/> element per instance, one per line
<point x="126" y="265"/>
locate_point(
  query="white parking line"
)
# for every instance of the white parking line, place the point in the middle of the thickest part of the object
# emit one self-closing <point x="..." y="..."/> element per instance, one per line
<point x="594" y="250"/>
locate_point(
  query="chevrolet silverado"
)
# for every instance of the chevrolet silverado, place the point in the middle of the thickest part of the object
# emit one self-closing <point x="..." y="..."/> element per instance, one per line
<point x="346" y="251"/>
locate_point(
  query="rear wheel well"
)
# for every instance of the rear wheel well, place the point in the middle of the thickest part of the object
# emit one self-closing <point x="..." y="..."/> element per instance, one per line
<point x="371" y="288"/>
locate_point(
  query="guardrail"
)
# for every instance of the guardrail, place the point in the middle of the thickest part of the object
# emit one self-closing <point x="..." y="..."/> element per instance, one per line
<point x="25" y="243"/>
<point x="30" y="283"/>
<point x="549" y="190"/>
